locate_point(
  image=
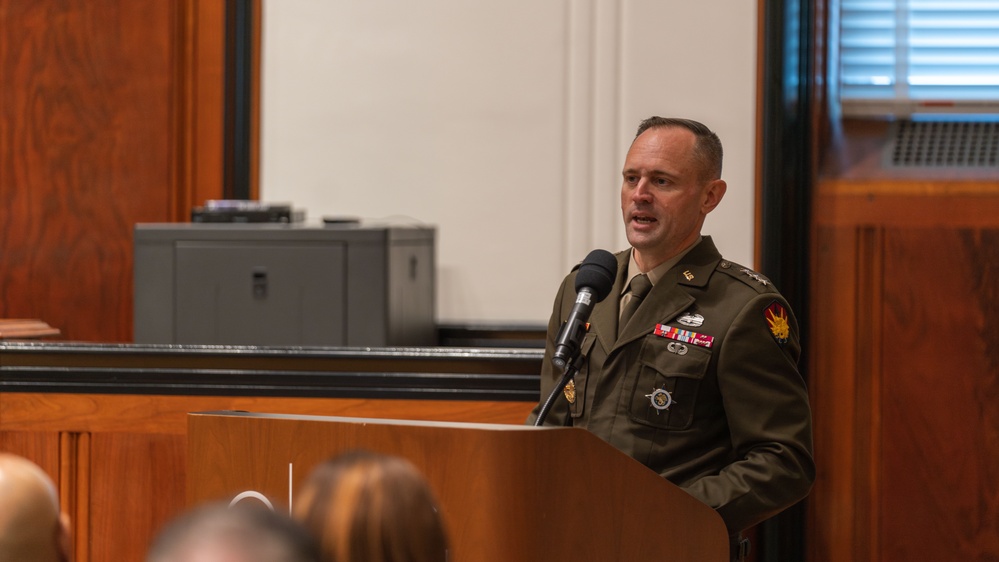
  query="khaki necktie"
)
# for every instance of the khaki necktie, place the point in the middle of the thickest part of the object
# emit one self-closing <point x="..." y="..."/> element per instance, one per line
<point x="639" y="287"/>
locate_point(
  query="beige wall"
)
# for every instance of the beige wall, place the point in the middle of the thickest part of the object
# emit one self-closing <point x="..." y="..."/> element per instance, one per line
<point x="502" y="123"/>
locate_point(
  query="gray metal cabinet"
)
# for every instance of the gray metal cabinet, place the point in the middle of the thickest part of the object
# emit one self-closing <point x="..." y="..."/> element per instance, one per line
<point x="281" y="284"/>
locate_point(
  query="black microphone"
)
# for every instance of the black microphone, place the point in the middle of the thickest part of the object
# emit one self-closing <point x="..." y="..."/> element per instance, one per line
<point x="594" y="281"/>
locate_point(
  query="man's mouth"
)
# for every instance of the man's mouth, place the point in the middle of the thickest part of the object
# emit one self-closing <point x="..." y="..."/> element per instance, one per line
<point x="643" y="219"/>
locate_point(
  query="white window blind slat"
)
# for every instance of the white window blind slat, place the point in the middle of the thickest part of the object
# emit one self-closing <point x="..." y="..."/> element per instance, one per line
<point x="904" y="56"/>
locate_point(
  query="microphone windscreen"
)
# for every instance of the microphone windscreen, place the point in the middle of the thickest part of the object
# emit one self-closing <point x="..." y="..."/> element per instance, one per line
<point x="597" y="272"/>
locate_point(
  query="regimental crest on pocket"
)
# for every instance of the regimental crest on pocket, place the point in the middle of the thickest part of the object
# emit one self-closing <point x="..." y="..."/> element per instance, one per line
<point x="776" y="316"/>
<point x="660" y="399"/>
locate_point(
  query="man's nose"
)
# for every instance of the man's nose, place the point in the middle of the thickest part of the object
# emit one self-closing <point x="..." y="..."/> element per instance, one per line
<point x="643" y="191"/>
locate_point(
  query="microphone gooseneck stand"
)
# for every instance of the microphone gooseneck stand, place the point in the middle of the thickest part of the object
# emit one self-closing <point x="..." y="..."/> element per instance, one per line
<point x="593" y="282"/>
<point x="571" y="369"/>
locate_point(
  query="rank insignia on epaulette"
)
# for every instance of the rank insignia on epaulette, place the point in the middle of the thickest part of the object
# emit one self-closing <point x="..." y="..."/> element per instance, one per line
<point x="755" y="276"/>
<point x="776" y="316"/>
<point x="570" y="392"/>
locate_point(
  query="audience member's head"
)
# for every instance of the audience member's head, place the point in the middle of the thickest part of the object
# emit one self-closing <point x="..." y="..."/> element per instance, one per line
<point x="216" y="533"/>
<point x="368" y="507"/>
<point x="31" y="527"/>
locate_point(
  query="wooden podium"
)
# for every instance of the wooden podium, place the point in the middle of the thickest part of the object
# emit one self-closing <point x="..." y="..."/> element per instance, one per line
<point x="507" y="492"/>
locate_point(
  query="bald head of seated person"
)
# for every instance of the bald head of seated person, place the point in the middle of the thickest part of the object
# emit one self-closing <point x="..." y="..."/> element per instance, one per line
<point x="216" y="533"/>
<point x="32" y="529"/>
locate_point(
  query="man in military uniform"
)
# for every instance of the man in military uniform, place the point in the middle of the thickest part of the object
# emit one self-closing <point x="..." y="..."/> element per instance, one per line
<point x="701" y="383"/>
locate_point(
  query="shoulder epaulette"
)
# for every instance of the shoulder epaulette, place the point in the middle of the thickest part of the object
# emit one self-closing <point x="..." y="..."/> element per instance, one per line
<point x="752" y="278"/>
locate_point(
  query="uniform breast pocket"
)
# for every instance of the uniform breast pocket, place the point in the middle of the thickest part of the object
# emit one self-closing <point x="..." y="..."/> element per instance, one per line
<point x="669" y="376"/>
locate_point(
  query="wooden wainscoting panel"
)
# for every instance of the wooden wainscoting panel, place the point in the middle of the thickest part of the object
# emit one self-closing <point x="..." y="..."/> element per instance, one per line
<point x="830" y="509"/>
<point x="940" y="398"/>
<point x="200" y="119"/>
<point x="892" y="205"/>
<point x="867" y="369"/>
<point x="40" y="447"/>
<point x="843" y="384"/>
<point x="904" y="381"/>
<point x="137" y="485"/>
<point x="60" y="455"/>
<point x="120" y="460"/>
<point x="168" y="414"/>
<point x="74" y="489"/>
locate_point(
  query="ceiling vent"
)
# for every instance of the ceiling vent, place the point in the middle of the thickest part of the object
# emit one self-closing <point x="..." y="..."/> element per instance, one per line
<point x="943" y="144"/>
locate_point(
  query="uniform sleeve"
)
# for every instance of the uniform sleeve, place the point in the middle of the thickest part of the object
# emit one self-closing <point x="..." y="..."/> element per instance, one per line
<point x="769" y="418"/>
<point x="559" y="412"/>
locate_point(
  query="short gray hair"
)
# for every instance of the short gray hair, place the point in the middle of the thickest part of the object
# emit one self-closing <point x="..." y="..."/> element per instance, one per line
<point x="708" y="148"/>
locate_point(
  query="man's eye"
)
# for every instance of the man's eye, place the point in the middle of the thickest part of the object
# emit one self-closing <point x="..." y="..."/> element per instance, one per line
<point x="662" y="182"/>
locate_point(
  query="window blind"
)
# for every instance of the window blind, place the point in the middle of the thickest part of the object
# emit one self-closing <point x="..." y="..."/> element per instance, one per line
<point x="910" y="56"/>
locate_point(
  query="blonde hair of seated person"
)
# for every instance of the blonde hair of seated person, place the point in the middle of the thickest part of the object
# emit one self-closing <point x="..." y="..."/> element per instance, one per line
<point x="369" y="507"/>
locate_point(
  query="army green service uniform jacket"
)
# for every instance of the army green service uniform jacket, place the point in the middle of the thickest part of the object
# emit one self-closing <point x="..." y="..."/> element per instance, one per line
<point x="702" y="385"/>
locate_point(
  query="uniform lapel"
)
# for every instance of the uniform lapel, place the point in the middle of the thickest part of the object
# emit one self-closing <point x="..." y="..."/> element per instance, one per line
<point x="668" y="298"/>
<point x="603" y="319"/>
<point x="665" y="301"/>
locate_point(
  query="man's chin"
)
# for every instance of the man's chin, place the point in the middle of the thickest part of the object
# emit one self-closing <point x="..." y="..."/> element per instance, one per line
<point x="641" y="240"/>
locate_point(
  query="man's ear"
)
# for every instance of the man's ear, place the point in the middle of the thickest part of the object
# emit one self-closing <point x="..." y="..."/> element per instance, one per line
<point x="64" y="542"/>
<point x="713" y="193"/>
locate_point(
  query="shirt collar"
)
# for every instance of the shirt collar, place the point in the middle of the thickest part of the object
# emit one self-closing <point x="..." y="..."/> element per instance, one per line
<point x="657" y="272"/>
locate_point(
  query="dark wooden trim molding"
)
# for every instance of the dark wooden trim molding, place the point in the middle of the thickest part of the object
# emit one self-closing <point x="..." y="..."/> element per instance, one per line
<point x="240" y="77"/>
<point x="785" y="203"/>
<point x="387" y="373"/>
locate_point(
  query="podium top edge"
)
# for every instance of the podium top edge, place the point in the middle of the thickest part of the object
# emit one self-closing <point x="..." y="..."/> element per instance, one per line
<point x="375" y="421"/>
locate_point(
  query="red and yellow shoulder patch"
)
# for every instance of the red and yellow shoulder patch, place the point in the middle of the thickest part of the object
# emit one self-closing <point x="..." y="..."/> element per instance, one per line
<point x="776" y="316"/>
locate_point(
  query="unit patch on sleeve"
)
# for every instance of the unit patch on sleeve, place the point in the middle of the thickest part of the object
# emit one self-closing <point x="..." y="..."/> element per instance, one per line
<point x="776" y="316"/>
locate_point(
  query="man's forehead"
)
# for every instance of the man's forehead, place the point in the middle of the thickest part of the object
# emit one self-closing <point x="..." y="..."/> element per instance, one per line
<point x="660" y="154"/>
<point x="667" y="134"/>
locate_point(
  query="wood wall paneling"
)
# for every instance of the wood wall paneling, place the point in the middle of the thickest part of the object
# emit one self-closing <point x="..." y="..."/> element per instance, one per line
<point x="200" y="76"/>
<point x="905" y="372"/>
<point x="840" y="508"/>
<point x="74" y="488"/>
<point x="48" y="449"/>
<point x="940" y="399"/>
<point x="136" y="487"/>
<point x="104" y="105"/>
<point x="121" y="460"/>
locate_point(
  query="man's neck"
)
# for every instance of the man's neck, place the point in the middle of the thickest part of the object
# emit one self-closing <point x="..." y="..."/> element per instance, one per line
<point x="640" y="260"/>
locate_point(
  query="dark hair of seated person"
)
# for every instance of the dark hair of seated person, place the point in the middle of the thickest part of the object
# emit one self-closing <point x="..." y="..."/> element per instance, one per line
<point x="241" y="533"/>
<point x="369" y="507"/>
